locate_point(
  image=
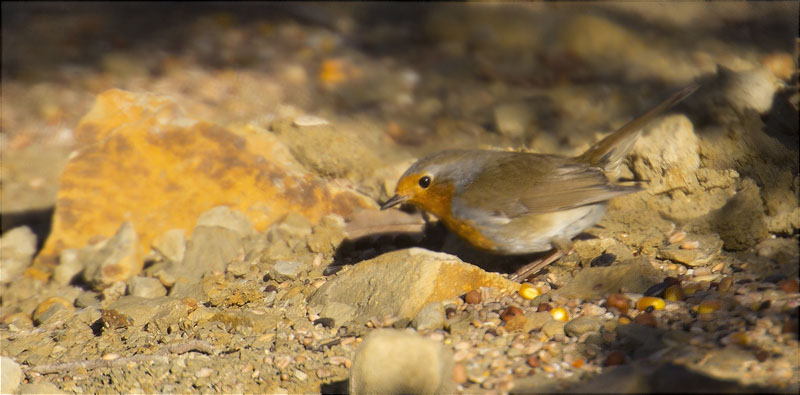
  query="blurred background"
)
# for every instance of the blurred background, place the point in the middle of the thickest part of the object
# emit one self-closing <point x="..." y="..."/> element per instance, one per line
<point x="407" y="79"/>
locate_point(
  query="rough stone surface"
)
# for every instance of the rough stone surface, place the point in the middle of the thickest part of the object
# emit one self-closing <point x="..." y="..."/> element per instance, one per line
<point x="430" y="317"/>
<point x="10" y="375"/>
<point x="146" y="287"/>
<point x="401" y="362"/>
<point x="224" y="217"/>
<point x="171" y="244"/>
<point x="401" y="283"/>
<point x="17" y="247"/>
<point x="113" y="260"/>
<point x="580" y="325"/>
<point x="709" y="246"/>
<point x="553" y="328"/>
<point x="188" y="166"/>
<point x="210" y="249"/>
<point x="633" y="276"/>
<point x="69" y="266"/>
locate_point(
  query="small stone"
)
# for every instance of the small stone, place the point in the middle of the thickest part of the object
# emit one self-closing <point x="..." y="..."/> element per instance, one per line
<point x="619" y="302"/>
<point x="54" y="308"/>
<point x="17" y="247"/>
<point x="171" y="245"/>
<point x="473" y="297"/>
<point x="146" y="287"/>
<point x="114" y="260"/>
<point x="10" y="375"/>
<point x="40" y="388"/>
<point x="224" y="217"/>
<point x="431" y="317"/>
<point x="512" y="119"/>
<point x="789" y="285"/>
<point x="580" y="325"/>
<point x="553" y="328"/>
<point x="69" y="266"/>
<point x="287" y="270"/>
<point x="400" y="361"/>
<point x="647" y="301"/>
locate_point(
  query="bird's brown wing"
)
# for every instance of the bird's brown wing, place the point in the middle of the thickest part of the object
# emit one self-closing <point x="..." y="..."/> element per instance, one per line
<point x="523" y="184"/>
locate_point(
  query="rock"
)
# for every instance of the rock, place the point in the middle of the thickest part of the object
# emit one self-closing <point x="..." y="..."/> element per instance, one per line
<point x="140" y="310"/>
<point x="553" y="328"/>
<point x="53" y="309"/>
<point x="613" y="49"/>
<point x="580" y="325"/>
<point x="40" y="388"/>
<point x="595" y="282"/>
<point x="171" y="245"/>
<point x="287" y="270"/>
<point x="188" y="167"/>
<point x="113" y="260"/>
<point x="17" y="247"/>
<point x="431" y="317"/>
<point x="69" y="266"/>
<point x="401" y="283"/>
<point x="667" y="155"/>
<point x="146" y="287"/>
<point x="709" y="246"/>
<point x="536" y="320"/>
<point x="340" y="313"/>
<point x="401" y="362"/>
<point x="10" y="375"/>
<point x="724" y="363"/>
<point x="740" y="223"/>
<point x="512" y="119"/>
<point x="210" y="249"/>
<point x="224" y="217"/>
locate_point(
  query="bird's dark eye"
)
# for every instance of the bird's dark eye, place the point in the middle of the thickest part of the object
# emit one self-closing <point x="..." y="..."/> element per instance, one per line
<point x="425" y="182"/>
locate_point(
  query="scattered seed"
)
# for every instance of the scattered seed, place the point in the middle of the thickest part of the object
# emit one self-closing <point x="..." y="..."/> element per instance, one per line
<point x="674" y="293"/>
<point x="624" y="320"/>
<point x="459" y="373"/>
<point x="725" y="284"/>
<point x="762" y="355"/>
<point x="647" y="301"/>
<point x="560" y="314"/>
<point x="510" y="312"/>
<point x="528" y="291"/>
<point x="619" y="302"/>
<point x="544" y="307"/>
<point x="647" y="319"/>
<point x="709" y="306"/>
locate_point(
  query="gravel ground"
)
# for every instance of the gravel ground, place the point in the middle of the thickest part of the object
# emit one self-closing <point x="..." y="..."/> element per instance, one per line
<point x="691" y="286"/>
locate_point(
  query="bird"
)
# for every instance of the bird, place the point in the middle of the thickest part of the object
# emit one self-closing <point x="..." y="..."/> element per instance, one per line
<point x="515" y="203"/>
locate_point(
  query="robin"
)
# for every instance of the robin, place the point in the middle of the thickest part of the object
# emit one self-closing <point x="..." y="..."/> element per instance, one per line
<point x="519" y="203"/>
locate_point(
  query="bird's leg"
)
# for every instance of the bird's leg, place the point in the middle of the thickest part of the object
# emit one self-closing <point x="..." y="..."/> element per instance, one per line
<point x="562" y="246"/>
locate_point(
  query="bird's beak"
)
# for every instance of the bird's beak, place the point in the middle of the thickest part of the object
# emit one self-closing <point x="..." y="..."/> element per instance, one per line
<point x="394" y="201"/>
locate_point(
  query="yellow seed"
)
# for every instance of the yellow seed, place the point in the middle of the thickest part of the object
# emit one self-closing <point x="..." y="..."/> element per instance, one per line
<point x="528" y="291"/>
<point x="725" y="284"/>
<point x="648" y="301"/>
<point x="624" y="320"/>
<point x="709" y="306"/>
<point x="674" y="293"/>
<point x="560" y="314"/>
<point x="691" y="288"/>
<point x="740" y="338"/>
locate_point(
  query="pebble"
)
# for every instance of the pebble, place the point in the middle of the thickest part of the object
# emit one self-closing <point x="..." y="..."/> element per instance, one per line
<point x="146" y="287"/>
<point x="431" y="317"/>
<point x="580" y="325"/>
<point x="400" y="361"/>
<point x="10" y="375"/>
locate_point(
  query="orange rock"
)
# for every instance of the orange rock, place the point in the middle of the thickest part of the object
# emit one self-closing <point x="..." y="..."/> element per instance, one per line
<point x="145" y="162"/>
